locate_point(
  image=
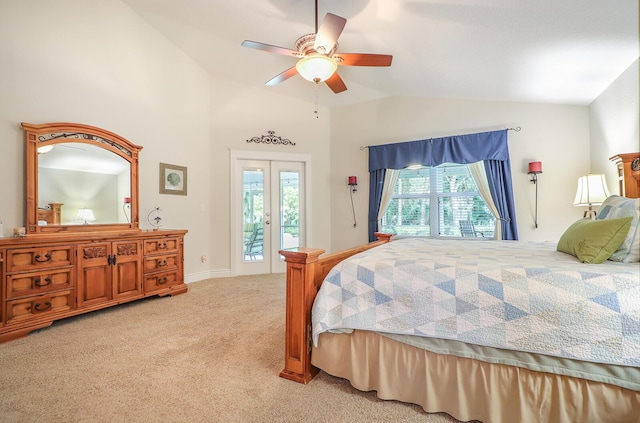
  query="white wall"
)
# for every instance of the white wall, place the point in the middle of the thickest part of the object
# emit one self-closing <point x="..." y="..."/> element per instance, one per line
<point x="614" y="125"/>
<point x="241" y="113"/>
<point x="98" y="63"/>
<point x="557" y="135"/>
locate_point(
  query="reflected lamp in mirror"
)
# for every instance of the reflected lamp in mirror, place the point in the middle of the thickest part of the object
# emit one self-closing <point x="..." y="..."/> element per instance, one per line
<point x="85" y="216"/>
<point x="592" y="191"/>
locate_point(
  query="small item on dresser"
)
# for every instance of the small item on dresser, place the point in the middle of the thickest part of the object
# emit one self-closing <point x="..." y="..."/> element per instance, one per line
<point x="20" y="232"/>
<point x="155" y="219"/>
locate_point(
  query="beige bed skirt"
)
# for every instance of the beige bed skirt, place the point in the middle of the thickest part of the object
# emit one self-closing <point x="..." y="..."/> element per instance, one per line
<point x="468" y="389"/>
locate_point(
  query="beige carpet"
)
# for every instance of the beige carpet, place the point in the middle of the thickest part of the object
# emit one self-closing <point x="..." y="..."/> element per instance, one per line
<point x="211" y="355"/>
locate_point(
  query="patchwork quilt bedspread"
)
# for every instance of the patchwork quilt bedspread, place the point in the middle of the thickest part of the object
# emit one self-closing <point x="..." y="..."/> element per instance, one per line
<point x="514" y="295"/>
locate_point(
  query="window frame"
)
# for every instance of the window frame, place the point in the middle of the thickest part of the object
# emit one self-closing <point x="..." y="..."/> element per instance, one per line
<point x="434" y="197"/>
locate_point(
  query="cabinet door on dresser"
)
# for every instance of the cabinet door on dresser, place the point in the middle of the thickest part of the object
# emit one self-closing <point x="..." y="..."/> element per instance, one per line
<point x="94" y="273"/>
<point x="127" y="269"/>
<point x="108" y="271"/>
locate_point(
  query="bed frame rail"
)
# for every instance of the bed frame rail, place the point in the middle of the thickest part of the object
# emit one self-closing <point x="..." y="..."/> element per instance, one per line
<point x="305" y="273"/>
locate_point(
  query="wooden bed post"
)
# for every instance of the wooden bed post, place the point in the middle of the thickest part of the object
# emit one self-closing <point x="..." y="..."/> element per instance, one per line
<point x="301" y="291"/>
<point x="305" y="273"/>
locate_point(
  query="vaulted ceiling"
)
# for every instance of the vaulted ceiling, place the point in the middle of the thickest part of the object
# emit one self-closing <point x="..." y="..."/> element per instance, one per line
<point x="557" y="51"/>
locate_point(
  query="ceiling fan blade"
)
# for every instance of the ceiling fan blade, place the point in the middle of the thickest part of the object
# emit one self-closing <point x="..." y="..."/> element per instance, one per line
<point x="336" y="83"/>
<point x="282" y="77"/>
<point x="360" y="59"/>
<point x="271" y="49"/>
<point x="330" y="29"/>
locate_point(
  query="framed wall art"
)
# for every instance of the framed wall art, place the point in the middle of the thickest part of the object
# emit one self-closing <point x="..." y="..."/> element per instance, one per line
<point x="173" y="179"/>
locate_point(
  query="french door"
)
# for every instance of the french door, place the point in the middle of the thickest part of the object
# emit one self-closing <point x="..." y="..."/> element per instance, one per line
<point x="269" y="210"/>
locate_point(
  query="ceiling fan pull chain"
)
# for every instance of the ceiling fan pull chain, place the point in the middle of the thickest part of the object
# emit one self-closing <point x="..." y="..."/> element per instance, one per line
<point x="316" y="92"/>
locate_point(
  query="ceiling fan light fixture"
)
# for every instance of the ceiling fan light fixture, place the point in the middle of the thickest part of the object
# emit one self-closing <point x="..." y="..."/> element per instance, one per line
<point x="316" y="68"/>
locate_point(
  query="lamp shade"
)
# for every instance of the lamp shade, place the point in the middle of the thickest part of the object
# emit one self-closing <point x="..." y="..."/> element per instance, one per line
<point x="592" y="190"/>
<point x="535" y="167"/>
<point x="85" y="215"/>
<point x="316" y="68"/>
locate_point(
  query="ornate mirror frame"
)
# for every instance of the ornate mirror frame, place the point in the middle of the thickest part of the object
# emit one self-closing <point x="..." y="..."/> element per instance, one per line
<point x="38" y="136"/>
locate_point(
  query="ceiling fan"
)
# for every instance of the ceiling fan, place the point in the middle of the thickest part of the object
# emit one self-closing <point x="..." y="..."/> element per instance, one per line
<point x="318" y="60"/>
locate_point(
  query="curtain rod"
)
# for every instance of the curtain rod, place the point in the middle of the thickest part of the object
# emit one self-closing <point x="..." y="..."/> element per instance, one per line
<point x="516" y="129"/>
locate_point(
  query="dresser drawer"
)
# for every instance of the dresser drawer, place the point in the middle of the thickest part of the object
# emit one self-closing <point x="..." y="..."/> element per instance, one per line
<point x="22" y="284"/>
<point x="41" y="305"/>
<point x="163" y="245"/>
<point x="26" y="259"/>
<point x="160" y="263"/>
<point x="160" y="281"/>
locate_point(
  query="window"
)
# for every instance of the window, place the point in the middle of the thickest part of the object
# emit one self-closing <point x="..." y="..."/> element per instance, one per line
<point x="433" y="201"/>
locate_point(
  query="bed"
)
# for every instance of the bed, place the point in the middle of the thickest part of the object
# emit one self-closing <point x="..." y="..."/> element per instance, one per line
<point x="567" y="348"/>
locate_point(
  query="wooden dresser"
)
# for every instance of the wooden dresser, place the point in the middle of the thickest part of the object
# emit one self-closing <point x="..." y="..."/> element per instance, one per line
<point x="50" y="277"/>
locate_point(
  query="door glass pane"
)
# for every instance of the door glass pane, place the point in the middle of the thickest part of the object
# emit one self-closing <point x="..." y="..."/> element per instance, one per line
<point x="253" y="212"/>
<point x="289" y="210"/>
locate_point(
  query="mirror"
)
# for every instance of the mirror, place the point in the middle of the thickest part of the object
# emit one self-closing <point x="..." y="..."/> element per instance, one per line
<point x="80" y="178"/>
<point x="83" y="176"/>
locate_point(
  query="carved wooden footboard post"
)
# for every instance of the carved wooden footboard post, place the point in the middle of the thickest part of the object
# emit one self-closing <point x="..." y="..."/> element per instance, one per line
<point x="305" y="273"/>
<point x="301" y="291"/>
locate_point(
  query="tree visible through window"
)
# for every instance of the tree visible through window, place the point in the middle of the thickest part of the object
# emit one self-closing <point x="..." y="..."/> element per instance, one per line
<point x="432" y="201"/>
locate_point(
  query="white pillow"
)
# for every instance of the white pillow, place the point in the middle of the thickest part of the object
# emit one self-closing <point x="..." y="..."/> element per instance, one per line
<point x="616" y="207"/>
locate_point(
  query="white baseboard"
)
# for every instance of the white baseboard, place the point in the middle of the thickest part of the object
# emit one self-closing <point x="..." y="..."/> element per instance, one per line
<point x="200" y="276"/>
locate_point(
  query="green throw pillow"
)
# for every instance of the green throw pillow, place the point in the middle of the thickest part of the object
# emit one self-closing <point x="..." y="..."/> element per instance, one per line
<point x="593" y="241"/>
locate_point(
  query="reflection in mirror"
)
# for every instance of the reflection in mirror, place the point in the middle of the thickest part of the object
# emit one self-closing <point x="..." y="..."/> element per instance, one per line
<point x="84" y="176"/>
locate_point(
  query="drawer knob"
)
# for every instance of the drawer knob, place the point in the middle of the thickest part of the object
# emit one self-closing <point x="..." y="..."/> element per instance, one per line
<point x="162" y="263"/>
<point x="162" y="245"/>
<point x="39" y="258"/>
<point x="42" y="307"/>
<point x="162" y="281"/>
<point x="39" y="282"/>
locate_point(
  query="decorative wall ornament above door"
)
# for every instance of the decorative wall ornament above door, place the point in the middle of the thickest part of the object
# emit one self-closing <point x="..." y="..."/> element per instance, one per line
<point x="271" y="138"/>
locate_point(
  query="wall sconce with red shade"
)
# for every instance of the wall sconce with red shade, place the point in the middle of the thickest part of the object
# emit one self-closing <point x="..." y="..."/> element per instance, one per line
<point x="534" y="169"/>
<point x="353" y="187"/>
<point x="353" y="183"/>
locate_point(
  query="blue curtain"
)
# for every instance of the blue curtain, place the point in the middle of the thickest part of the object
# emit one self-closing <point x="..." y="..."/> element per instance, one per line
<point x="491" y="147"/>
<point x="499" y="178"/>
<point x="376" y="183"/>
